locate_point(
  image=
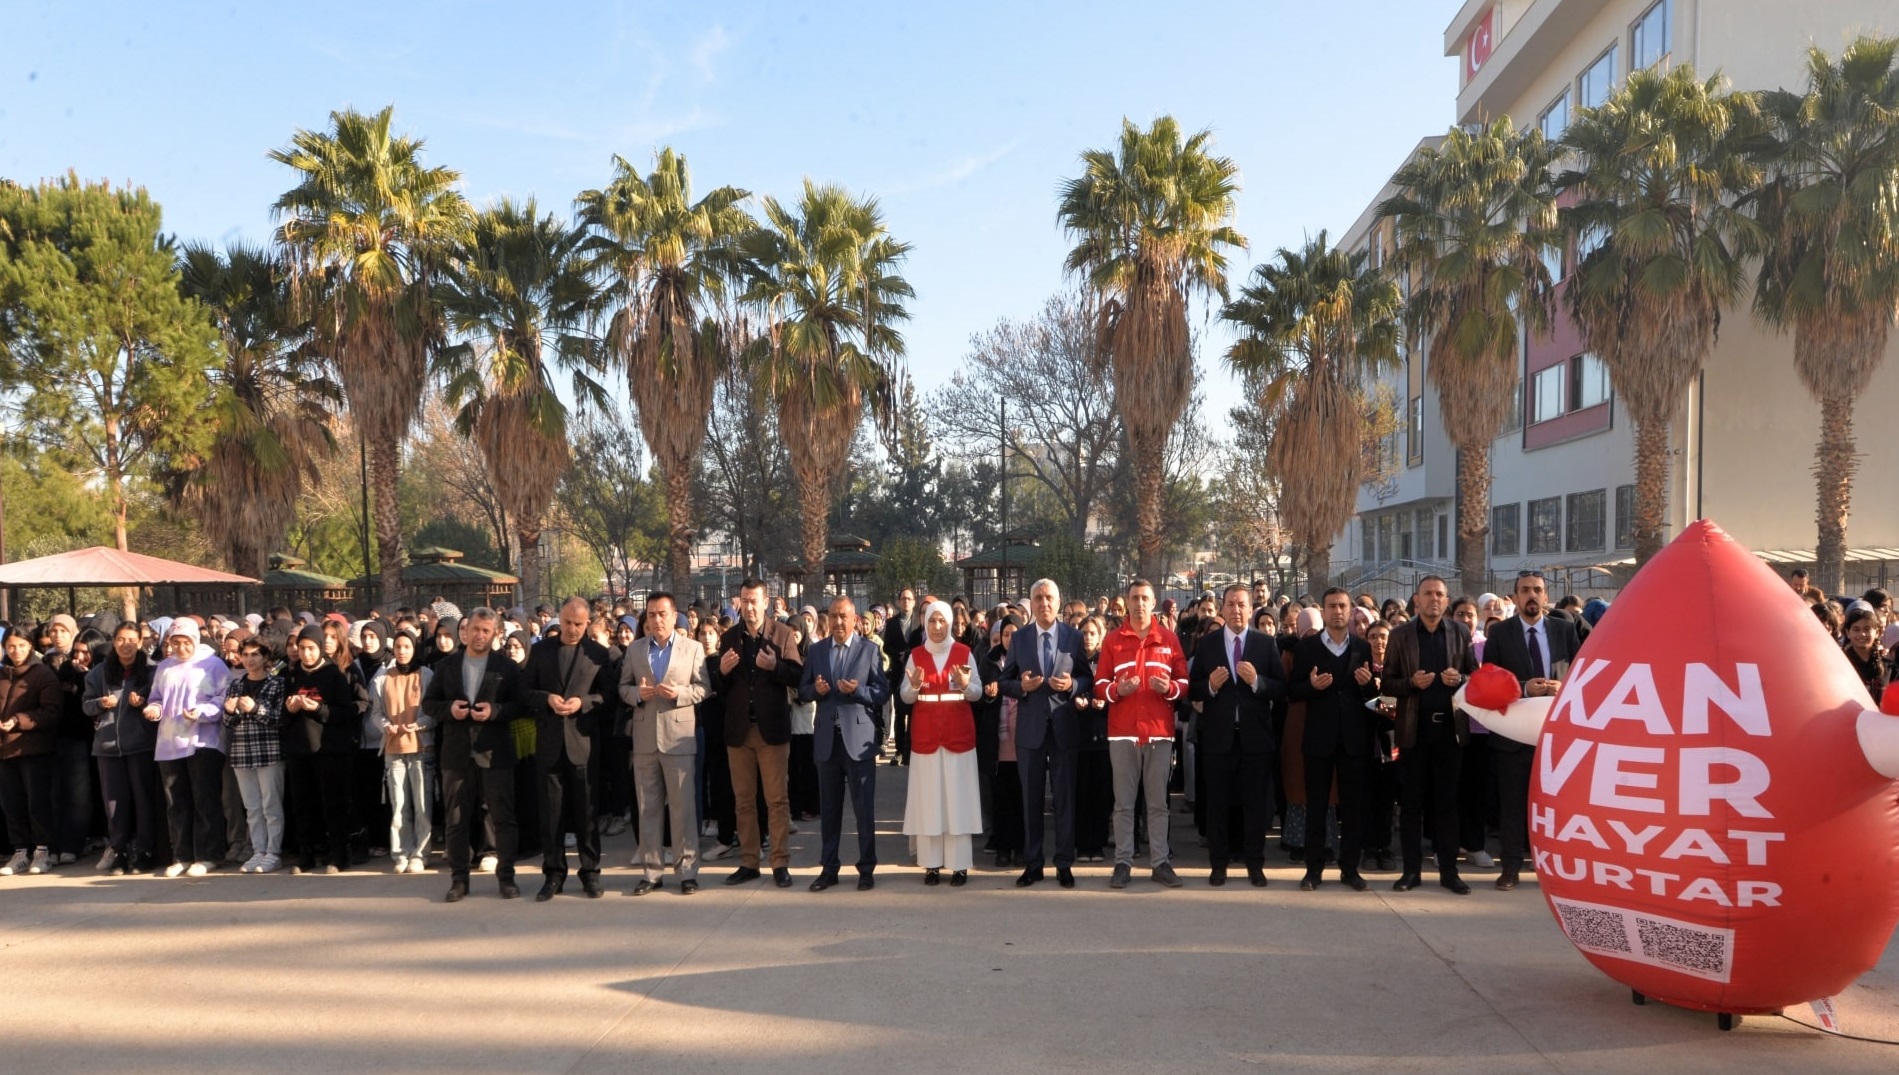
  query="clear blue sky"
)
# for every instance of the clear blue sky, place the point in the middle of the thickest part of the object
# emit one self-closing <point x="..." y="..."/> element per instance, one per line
<point x="962" y="118"/>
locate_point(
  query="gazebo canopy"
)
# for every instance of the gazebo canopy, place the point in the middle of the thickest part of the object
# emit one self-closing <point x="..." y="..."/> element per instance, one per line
<point x="100" y="566"/>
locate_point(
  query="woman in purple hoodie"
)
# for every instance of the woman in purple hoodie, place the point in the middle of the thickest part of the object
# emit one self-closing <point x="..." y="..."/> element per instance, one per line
<point x="187" y="701"/>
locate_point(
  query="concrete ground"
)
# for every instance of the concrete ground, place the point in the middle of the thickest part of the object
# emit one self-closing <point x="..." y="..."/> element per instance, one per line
<point x="370" y="971"/>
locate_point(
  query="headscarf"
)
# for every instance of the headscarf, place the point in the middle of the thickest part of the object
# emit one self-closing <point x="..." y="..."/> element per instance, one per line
<point x="1593" y="609"/>
<point x="159" y="625"/>
<point x="1310" y="622"/>
<point x="939" y="650"/>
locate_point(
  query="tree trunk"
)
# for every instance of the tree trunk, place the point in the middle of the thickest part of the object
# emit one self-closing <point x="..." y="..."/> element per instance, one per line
<point x="1318" y="569"/>
<point x="128" y="596"/>
<point x="1149" y="487"/>
<point x="1473" y="516"/>
<point x="679" y="528"/>
<point x="1651" y="488"/>
<point x="1835" y="460"/>
<point x="529" y="566"/>
<point x="814" y="497"/>
<point x="385" y="468"/>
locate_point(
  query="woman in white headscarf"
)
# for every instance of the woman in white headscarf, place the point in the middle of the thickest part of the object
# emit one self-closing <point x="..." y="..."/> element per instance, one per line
<point x="187" y="703"/>
<point x="944" y="806"/>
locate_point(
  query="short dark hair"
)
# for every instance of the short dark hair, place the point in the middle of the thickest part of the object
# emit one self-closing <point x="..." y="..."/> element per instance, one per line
<point x="750" y="583"/>
<point x="1439" y="579"/>
<point x="1797" y="573"/>
<point x="1137" y="584"/>
<point x="1876" y="597"/>
<point x="661" y="595"/>
<point x="1240" y="586"/>
<point x="1347" y="594"/>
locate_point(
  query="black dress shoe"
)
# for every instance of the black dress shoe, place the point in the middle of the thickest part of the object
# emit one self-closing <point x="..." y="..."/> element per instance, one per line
<point x="1217" y="876"/>
<point x="866" y="882"/>
<point x="742" y="875"/>
<point x="1382" y="861"/>
<point x="688" y="887"/>
<point x="932" y="877"/>
<point x="781" y="877"/>
<point x="1029" y="877"/>
<point x="1406" y="883"/>
<point x="1064" y="877"/>
<point x="1355" y="883"/>
<point x="1507" y="880"/>
<point x="591" y="886"/>
<point x="510" y="890"/>
<point x="823" y="881"/>
<point x="457" y="892"/>
<point x="1455" y="884"/>
<point x="646" y="886"/>
<point x="549" y="889"/>
<point x="1310" y="882"/>
<point x="959" y="878"/>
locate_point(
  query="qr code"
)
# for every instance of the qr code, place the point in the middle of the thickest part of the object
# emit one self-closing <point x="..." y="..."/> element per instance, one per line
<point x="1593" y="927"/>
<point x="1695" y="950"/>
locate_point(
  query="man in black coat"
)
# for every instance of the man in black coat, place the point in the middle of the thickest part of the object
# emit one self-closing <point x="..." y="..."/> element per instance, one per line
<point x="897" y="631"/>
<point x="1536" y="648"/>
<point x="1428" y="659"/>
<point x="1240" y="683"/>
<point x="1331" y="673"/>
<point x="470" y="699"/>
<point x="566" y="686"/>
<point x="758" y="659"/>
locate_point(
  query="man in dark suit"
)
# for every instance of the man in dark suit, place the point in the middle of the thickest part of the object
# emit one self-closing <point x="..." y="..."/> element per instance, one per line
<point x="566" y="684"/>
<point x="1428" y="658"/>
<point x="1331" y="673"/>
<point x="844" y="675"/>
<point x="1045" y="663"/>
<point x="1240" y="682"/>
<point x="471" y="698"/>
<point x="897" y="631"/>
<point x="759" y="658"/>
<point x="1536" y="648"/>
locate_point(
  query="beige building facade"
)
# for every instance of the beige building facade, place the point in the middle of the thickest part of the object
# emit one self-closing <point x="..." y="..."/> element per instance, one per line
<point x="1742" y="444"/>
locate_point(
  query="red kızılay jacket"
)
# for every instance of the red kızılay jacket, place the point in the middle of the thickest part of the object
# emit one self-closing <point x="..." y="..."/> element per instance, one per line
<point x="1147" y="713"/>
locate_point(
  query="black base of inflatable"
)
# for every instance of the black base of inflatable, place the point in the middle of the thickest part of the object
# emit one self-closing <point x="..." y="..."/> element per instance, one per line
<point x="1724" y="1020"/>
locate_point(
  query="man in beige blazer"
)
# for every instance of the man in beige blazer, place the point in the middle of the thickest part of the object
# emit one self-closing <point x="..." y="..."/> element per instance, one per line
<point x="662" y="677"/>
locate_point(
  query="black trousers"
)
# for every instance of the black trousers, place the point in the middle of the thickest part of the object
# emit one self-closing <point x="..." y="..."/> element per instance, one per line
<point x="134" y="803"/>
<point x="1354" y="776"/>
<point x="567" y="806"/>
<point x="1381" y="795"/>
<point x="1476" y="790"/>
<point x="801" y="774"/>
<point x="1427" y="772"/>
<point x="841" y="777"/>
<point x="194" y="805"/>
<point x="1236" y="778"/>
<point x="1094" y="800"/>
<point x="461" y="789"/>
<point x="317" y="786"/>
<point x="900" y="716"/>
<point x="72" y="794"/>
<point x="715" y="767"/>
<point x="1005" y="809"/>
<point x="1048" y="766"/>
<point x="26" y="795"/>
<point x="1512" y="762"/>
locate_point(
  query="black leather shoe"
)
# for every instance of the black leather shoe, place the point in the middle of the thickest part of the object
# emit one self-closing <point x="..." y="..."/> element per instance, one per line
<point x="510" y="890"/>
<point x="823" y="881"/>
<point x="1455" y="884"/>
<point x="1064" y="877"/>
<point x="959" y="878"/>
<point x="549" y="889"/>
<point x="1355" y="883"/>
<point x="781" y="877"/>
<point x="1406" y="883"/>
<point x="865" y="882"/>
<point x="646" y="886"/>
<point x="1310" y="882"/>
<point x="457" y="892"/>
<point x="1383" y="862"/>
<point x="1217" y="876"/>
<point x="1507" y="880"/>
<point x="742" y="875"/>
<point x="1029" y="877"/>
<point x="688" y="887"/>
<point x="591" y="886"/>
<point x="1257" y="876"/>
<point x="932" y="877"/>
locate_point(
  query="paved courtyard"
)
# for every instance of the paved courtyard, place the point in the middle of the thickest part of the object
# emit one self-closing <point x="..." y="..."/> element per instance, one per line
<point x="371" y="972"/>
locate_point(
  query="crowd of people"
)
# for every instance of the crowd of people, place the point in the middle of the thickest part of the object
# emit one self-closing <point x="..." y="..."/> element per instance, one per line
<point x="184" y="745"/>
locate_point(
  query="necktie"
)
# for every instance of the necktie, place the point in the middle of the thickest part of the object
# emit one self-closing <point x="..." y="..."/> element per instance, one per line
<point x="837" y="658"/>
<point x="1236" y="658"/>
<point x="1048" y="654"/>
<point x="1536" y="657"/>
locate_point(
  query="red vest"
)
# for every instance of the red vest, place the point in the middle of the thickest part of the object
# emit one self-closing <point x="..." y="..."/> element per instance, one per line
<point x="941" y="717"/>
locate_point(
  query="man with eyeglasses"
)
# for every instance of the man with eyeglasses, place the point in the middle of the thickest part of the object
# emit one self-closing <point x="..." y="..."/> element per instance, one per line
<point x="1536" y="648"/>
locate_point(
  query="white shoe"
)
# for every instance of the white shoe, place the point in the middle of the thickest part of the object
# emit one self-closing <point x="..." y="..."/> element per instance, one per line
<point x="109" y="862"/>
<point x="176" y="869"/>
<point x="40" y="863"/>
<point x="250" y="864"/>
<point x="402" y="864"/>
<point x="199" y="869"/>
<point x="268" y="864"/>
<point x="1482" y="860"/>
<point x="416" y="865"/>
<point x="16" y="864"/>
<point x="65" y="858"/>
<point x="615" y="826"/>
<point x="488" y="864"/>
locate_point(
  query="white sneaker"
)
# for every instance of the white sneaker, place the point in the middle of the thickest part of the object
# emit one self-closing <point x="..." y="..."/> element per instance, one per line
<point x="65" y="858"/>
<point x="40" y="863"/>
<point x="616" y="825"/>
<point x="1482" y="860"/>
<point x="16" y="864"/>
<point x="268" y="864"/>
<point x="108" y="862"/>
<point x="417" y="865"/>
<point x="488" y="864"/>
<point x="199" y="869"/>
<point x="572" y="841"/>
<point x="176" y="869"/>
<point x="250" y="865"/>
<point x="402" y="864"/>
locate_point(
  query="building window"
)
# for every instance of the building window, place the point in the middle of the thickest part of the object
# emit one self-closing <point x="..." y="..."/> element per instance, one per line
<point x="1414" y="432"/>
<point x="1598" y="80"/>
<point x="1424" y="534"/>
<point x="1367" y="539"/>
<point x="1586" y="518"/>
<point x="1555" y="119"/>
<point x="1387" y="532"/>
<point x="1546" y="525"/>
<point x="1504" y="534"/>
<point x="1443" y="536"/>
<point x="1588" y="382"/>
<point x="1546" y="393"/>
<point x="1648" y="42"/>
<point x="1625" y="516"/>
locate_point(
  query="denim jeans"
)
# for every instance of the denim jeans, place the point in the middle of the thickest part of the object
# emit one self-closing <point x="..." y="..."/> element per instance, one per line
<point x="262" y="789"/>
<point x="408" y="805"/>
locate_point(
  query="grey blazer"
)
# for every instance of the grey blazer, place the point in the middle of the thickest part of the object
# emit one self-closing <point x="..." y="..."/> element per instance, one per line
<point x="664" y="725"/>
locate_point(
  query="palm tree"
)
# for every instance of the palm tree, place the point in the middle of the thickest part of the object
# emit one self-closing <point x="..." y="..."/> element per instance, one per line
<point x="1150" y="220"/>
<point x="824" y="275"/>
<point x="667" y="257"/>
<point x="365" y="229"/>
<point x="273" y="419"/>
<point x="1831" y="269"/>
<point x="1658" y="169"/>
<point x="518" y="287"/>
<point x="1473" y="217"/>
<point x="1316" y="326"/>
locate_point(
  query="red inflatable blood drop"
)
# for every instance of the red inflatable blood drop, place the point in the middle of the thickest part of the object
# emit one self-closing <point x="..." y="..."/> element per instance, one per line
<point x="1889" y="701"/>
<point x="1493" y="687"/>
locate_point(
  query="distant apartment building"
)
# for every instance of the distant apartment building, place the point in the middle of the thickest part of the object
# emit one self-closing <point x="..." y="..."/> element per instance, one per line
<point x="1562" y="491"/>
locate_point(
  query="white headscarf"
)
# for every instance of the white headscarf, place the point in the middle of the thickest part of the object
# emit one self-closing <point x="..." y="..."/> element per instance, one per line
<point x="939" y="650"/>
